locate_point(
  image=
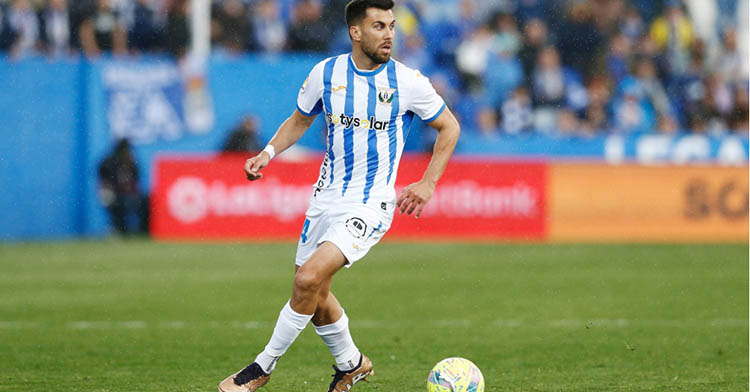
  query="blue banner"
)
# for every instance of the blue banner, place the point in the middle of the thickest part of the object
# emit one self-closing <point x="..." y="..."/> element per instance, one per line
<point x="144" y="101"/>
<point x="644" y="148"/>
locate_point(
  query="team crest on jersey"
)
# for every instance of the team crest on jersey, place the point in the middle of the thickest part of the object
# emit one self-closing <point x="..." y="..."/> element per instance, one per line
<point x="385" y="95"/>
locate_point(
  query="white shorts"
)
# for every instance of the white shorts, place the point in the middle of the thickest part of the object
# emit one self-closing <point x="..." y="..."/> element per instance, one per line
<point x="353" y="228"/>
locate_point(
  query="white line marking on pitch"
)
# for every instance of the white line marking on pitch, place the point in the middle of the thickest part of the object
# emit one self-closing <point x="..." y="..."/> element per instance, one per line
<point x="383" y="324"/>
<point x="77" y="325"/>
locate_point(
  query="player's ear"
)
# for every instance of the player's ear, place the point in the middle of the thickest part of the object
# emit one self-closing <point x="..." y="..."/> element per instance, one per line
<point x="355" y="33"/>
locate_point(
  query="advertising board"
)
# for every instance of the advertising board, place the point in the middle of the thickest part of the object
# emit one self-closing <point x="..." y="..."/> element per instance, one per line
<point x="209" y="198"/>
<point x="590" y="202"/>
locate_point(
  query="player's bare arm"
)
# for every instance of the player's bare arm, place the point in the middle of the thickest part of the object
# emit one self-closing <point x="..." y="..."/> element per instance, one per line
<point x="290" y="131"/>
<point x="415" y="196"/>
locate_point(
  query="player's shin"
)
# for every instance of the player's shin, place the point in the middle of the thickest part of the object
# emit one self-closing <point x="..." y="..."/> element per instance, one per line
<point x="339" y="340"/>
<point x="288" y="327"/>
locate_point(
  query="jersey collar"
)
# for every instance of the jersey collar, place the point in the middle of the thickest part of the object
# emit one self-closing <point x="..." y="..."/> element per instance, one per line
<point x="366" y="73"/>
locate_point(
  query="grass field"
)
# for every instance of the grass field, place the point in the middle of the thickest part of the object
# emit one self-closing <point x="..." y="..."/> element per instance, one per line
<point x="142" y="316"/>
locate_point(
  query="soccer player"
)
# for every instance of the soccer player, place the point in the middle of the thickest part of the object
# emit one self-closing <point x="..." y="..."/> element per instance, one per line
<point x="368" y="100"/>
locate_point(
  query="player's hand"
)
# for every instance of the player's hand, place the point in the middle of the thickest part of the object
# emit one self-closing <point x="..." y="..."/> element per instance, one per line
<point x="254" y="165"/>
<point x="414" y="197"/>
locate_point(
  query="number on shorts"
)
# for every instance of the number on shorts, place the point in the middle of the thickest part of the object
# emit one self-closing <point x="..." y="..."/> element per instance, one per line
<point x="304" y="230"/>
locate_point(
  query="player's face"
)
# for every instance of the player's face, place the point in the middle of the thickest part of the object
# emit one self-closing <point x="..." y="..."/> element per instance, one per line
<point x="377" y="30"/>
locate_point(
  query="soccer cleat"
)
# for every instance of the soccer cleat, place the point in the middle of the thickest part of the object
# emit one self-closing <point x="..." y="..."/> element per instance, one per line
<point x="248" y="379"/>
<point x="344" y="380"/>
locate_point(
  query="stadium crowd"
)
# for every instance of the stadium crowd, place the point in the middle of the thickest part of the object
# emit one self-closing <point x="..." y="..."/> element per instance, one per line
<point x="505" y="66"/>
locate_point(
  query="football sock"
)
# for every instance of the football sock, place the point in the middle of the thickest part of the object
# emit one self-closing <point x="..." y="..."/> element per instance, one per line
<point x="288" y="327"/>
<point x="338" y="339"/>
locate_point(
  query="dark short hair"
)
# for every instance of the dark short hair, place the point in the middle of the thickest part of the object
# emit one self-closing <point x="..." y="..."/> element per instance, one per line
<point x="356" y="9"/>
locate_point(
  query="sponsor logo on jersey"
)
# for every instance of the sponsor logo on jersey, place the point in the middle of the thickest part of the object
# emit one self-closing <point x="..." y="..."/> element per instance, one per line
<point x="356" y="122"/>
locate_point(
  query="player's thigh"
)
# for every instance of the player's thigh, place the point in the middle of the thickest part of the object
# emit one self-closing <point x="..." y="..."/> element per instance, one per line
<point x="319" y="269"/>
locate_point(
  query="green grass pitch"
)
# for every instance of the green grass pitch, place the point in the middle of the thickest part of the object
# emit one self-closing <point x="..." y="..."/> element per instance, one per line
<point x="143" y="316"/>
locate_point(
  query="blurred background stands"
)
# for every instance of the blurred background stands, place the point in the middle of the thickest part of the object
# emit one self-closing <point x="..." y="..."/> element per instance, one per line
<point x="599" y="66"/>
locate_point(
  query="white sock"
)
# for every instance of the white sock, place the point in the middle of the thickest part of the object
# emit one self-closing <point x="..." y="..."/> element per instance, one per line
<point x="338" y="339"/>
<point x="288" y="327"/>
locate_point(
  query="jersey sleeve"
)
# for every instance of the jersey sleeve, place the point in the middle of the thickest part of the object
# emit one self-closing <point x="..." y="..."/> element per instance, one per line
<point x="310" y="96"/>
<point x="426" y="102"/>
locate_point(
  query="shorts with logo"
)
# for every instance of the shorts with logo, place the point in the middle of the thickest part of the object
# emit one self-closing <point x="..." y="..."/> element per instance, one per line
<point x="353" y="227"/>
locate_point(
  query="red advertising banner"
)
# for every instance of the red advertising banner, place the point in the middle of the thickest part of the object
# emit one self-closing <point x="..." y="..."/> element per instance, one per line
<point x="208" y="198"/>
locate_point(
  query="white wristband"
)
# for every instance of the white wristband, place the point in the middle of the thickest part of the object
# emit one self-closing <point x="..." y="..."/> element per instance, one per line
<point x="270" y="150"/>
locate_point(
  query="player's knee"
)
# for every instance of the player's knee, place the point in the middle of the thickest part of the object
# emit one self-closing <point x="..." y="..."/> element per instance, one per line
<point x="307" y="281"/>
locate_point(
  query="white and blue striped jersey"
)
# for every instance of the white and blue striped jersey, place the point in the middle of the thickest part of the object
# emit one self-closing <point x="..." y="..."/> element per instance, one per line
<point x="368" y="115"/>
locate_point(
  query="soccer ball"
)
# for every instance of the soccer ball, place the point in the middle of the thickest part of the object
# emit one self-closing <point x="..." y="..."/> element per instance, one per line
<point x="455" y="375"/>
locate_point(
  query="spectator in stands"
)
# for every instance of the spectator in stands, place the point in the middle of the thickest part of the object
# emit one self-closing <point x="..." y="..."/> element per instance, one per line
<point x="269" y="31"/>
<point x="668" y="125"/>
<point x="472" y="56"/>
<point x="597" y="115"/>
<point x="444" y="24"/>
<point x="231" y="27"/>
<point x="632" y="25"/>
<point x="535" y="37"/>
<point x="55" y="28"/>
<point x="487" y="122"/>
<point x="649" y="87"/>
<point x="516" y="112"/>
<point x="631" y="114"/>
<point x="119" y="191"/>
<point x="244" y="137"/>
<point x="722" y="101"/>
<point x="619" y="56"/>
<point x="711" y="116"/>
<point x="738" y="119"/>
<point x="606" y="16"/>
<point x="144" y="34"/>
<point x="567" y="122"/>
<point x="333" y="14"/>
<point x="673" y="33"/>
<point x="534" y="9"/>
<point x="333" y="11"/>
<point x="690" y="88"/>
<point x="463" y="24"/>
<point x="103" y="30"/>
<point x="729" y="64"/>
<point x="548" y="79"/>
<point x="646" y="47"/>
<point x="177" y="29"/>
<point x="554" y="87"/>
<point x="596" y="119"/>
<point x="78" y="12"/>
<point x="547" y="89"/>
<point x="24" y="24"/>
<point x="414" y="53"/>
<point x="308" y="32"/>
<point x="6" y="34"/>
<point x="578" y="40"/>
<point x="507" y="40"/>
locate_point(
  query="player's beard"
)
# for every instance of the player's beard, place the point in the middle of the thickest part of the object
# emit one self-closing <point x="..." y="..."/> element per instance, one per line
<point x="374" y="54"/>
